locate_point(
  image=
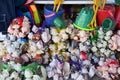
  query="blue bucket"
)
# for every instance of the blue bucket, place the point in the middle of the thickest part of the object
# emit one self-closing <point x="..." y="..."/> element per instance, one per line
<point x="50" y="15"/>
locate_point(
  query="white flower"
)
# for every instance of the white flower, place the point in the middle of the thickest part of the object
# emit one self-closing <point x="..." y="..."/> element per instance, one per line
<point x="64" y="37"/>
<point x="59" y="71"/>
<point x="101" y="36"/>
<point x="118" y="70"/>
<point x="100" y="33"/>
<point x="84" y="71"/>
<point x="101" y="63"/>
<point x="55" y="77"/>
<point x="118" y="32"/>
<point x="17" y="67"/>
<point x="36" y="77"/>
<point x="2" y="36"/>
<point x="104" y="43"/>
<point x="31" y="43"/>
<point x="28" y="73"/>
<point x="30" y="35"/>
<point x="11" y="63"/>
<point x="7" y="43"/>
<point x="102" y="50"/>
<point x="44" y="74"/>
<point x="81" y="34"/>
<point x="107" y="38"/>
<point x="94" y="49"/>
<point x="74" y="75"/>
<point x="40" y="44"/>
<point x="46" y="58"/>
<point x="12" y="37"/>
<point x="50" y="74"/>
<point x="52" y="47"/>
<point x="56" y="39"/>
<point x="16" y="53"/>
<point x="14" y="75"/>
<point x="2" y="77"/>
<point x="66" y="69"/>
<point x="53" y="63"/>
<point x="112" y="70"/>
<point x="5" y="73"/>
<point x="109" y="33"/>
<point x="88" y="42"/>
<point x="77" y="52"/>
<point x="92" y="71"/>
<point x="97" y="54"/>
<point x="10" y="49"/>
<point x="33" y="48"/>
<point x="105" y="75"/>
<point x="99" y="45"/>
<point x="86" y="62"/>
<point x="62" y="31"/>
<point x="16" y="44"/>
<point x="93" y="43"/>
<point x="80" y="77"/>
<point x="61" y="46"/>
<point x="105" y="67"/>
<point x="65" y="77"/>
<point x="107" y="53"/>
<point x="39" y="51"/>
<point x="74" y="58"/>
<point x="101" y="30"/>
<point x="53" y="32"/>
<point x="8" y="78"/>
<point x="82" y="47"/>
<point x="28" y="79"/>
<point x="68" y="30"/>
<point x="45" y="36"/>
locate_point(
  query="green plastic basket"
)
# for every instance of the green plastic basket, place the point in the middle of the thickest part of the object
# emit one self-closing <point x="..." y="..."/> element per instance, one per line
<point x="84" y="18"/>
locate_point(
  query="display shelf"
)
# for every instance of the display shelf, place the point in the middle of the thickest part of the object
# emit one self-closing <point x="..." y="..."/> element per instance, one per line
<point x="68" y="2"/>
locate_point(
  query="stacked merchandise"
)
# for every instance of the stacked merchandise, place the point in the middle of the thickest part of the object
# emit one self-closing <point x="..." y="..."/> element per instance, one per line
<point x="57" y="48"/>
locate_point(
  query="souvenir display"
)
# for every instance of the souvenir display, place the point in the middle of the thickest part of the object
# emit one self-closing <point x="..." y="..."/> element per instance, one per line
<point x="55" y="47"/>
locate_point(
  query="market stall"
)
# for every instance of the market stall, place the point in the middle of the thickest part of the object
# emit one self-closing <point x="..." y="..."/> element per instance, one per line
<point x="62" y="40"/>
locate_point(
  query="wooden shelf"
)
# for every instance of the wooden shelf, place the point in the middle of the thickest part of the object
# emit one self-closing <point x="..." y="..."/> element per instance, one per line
<point x="69" y="2"/>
